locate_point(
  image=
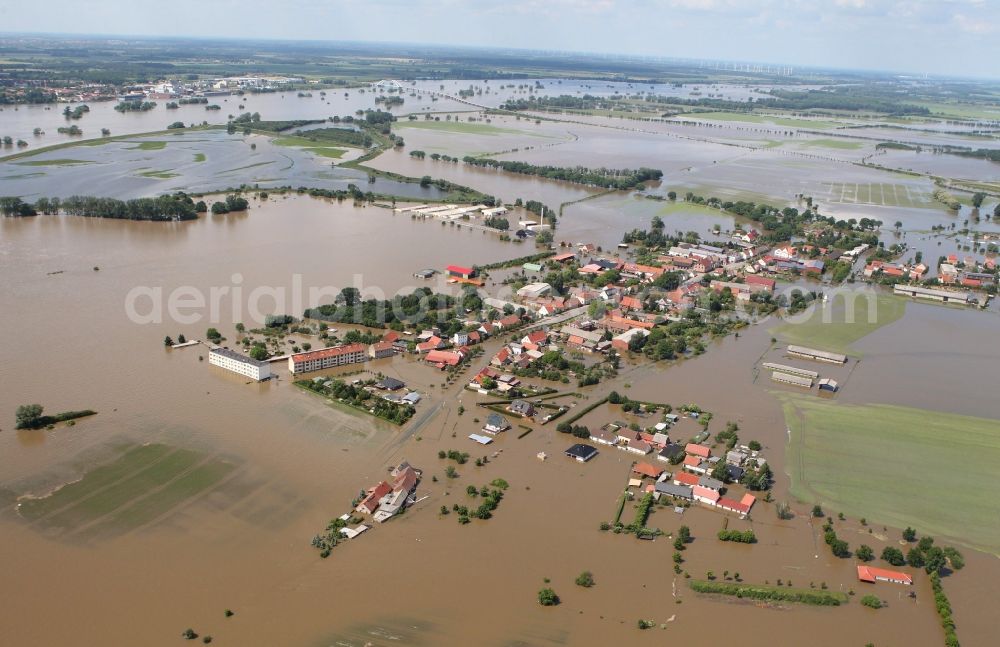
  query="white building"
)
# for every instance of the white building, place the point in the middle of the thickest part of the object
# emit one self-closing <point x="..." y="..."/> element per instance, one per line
<point x="239" y="363"/>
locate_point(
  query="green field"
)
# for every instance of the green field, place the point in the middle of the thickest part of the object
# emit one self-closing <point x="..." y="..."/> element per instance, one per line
<point x="879" y="194"/>
<point x="310" y="146"/>
<point x="199" y="157"/>
<point x="842" y="144"/>
<point x="142" y="484"/>
<point x="159" y="175"/>
<point x="148" y="146"/>
<point x="839" y="328"/>
<point x="746" y="117"/>
<point x="54" y="162"/>
<point x="463" y="127"/>
<point x="897" y="466"/>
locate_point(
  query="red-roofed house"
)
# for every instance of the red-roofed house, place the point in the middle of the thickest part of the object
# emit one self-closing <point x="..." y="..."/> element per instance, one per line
<point x="768" y="284"/>
<point x="444" y="357"/>
<point x="704" y="494"/>
<point x="461" y="272"/>
<point x="683" y="478"/>
<point x="501" y="358"/>
<point x="873" y="574"/>
<point x="391" y="336"/>
<point x="536" y="337"/>
<point x="508" y="322"/>
<point x="631" y="303"/>
<point x="645" y="469"/>
<point x="371" y="500"/>
<point x="697" y="450"/>
<point x="733" y="506"/>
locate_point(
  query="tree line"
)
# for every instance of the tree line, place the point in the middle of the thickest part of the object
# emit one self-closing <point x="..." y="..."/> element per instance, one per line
<point x="617" y="179"/>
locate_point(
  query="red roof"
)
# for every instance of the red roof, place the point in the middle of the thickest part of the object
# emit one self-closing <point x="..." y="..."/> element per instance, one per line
<point x="705" y="493"/>
<point x="324" y="353"/>
<point x="871" y="573"/>
<point x="752" y="279"/>
<point x="684" y="478"/>
<point x="509" y="320"/>
<point x="382" y="345"/>
<point x="632" y="303"/>
<point x="735" y="506"/>
<point x="537" y="336"/>
<point x="563" y="257"/>
<point x="405" y="480"/>
<point x="450" y="358"/>
<point x="748" y="500"/>
<point x="370" y="502"/>
<point x="692" y="461"/>
<point x="390" y="336"/>
<point x="645" y="469"/>
<point x="458" y="269"/>
<point x="697" y="450"/>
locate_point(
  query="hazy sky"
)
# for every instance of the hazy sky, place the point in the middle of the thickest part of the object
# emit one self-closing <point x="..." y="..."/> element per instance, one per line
<point x="954" y="37"/>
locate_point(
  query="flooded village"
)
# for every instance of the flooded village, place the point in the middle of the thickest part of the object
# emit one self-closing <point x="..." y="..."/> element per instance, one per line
<point x="584" y="371"/>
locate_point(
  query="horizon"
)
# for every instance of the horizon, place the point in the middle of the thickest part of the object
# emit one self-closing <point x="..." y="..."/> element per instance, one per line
<point x="881" y="36"/>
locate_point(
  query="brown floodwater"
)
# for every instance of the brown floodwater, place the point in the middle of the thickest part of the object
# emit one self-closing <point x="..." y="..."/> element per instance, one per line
<point x="421" y="579"/>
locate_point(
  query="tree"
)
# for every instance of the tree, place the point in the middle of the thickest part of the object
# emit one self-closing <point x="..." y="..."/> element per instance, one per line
<point x="817" y="511"/>
<point x="28" y="416"/>
<point x="996" y="211"/>
<point x="258" y="352"/>
<point x="167" y="341"/>
<point x="977" y="199"/>
<point x="548" y="598"/>
<point x="909" y="534"/>
<point x="585" y="579"/>
<point x="915" y="558"/>
<point x="213" y="335"/>
<point x="181" y="339"/>
<point x="864" y="553"/>
<point x="893" y="555"/>
<point x="754" y="446"/>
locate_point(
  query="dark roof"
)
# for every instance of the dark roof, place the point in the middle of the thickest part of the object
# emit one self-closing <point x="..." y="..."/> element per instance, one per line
<point x="581" y="451"/>
<point x="390" y="384"/>
<point x="672" y="449"/>
<point x="735" y="472"/>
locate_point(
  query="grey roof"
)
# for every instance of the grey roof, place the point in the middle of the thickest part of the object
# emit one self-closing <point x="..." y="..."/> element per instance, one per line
<point x="239" y="357"/>
<point x="521" y="406"/>
<point x="580" y="450"/>
<point x="683" y="491"/>
<point x="710" y="483"/>
<point x="497" y="421"/>
<point x="735" y="472"/>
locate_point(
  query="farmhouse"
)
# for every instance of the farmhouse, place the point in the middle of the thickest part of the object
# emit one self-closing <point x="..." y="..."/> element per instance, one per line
<point x="816" y="355"/>
<point x="872" y="574"/>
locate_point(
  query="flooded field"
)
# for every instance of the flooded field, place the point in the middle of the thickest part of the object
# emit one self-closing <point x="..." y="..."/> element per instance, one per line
<point x="192" y="492"/>
<point x="197" y="161"/>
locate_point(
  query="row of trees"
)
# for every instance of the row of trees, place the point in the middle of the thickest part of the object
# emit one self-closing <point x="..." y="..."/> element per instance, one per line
<point x="169" y="207"/>
<point x="619" y="179"/>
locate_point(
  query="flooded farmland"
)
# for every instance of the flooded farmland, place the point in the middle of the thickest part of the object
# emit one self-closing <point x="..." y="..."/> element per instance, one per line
<point x="192" y="491"/>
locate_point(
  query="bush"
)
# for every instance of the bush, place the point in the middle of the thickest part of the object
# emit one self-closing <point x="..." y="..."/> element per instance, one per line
<point x="871" y="601"/>
<point x="585" y="579"/>
<point x="740" y="536"/>
<point x="548" y="598"/>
